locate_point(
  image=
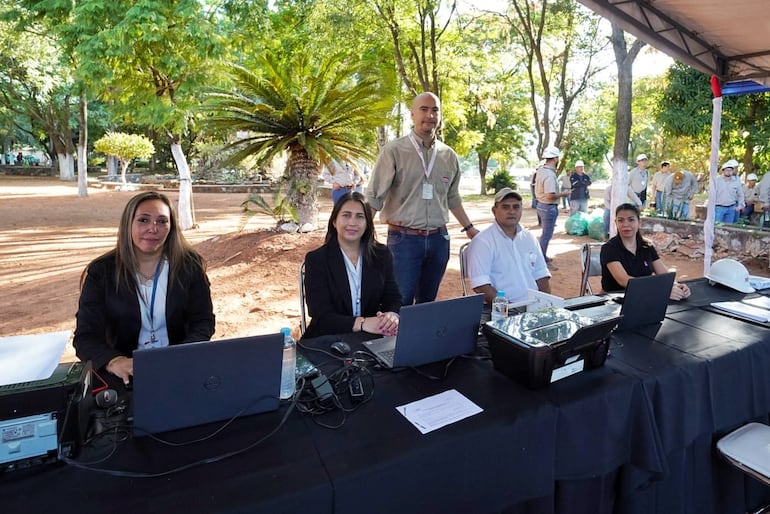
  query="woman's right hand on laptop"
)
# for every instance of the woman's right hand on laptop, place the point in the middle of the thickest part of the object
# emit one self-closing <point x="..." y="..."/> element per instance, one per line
<point x="122" y="367"/>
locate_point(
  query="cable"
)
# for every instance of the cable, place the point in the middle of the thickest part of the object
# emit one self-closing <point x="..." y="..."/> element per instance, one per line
<point x="209" y="460"/>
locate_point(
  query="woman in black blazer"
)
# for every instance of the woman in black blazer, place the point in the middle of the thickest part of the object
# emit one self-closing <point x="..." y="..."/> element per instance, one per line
<point x="350" y="285"/>
<point x="151" y="290"/>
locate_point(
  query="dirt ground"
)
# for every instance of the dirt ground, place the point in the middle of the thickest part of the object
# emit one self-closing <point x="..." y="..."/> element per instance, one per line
<point x="48" y="234"/>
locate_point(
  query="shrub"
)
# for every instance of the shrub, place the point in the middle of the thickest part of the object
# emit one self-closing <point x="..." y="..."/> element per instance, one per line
<point x="499" y="180"/>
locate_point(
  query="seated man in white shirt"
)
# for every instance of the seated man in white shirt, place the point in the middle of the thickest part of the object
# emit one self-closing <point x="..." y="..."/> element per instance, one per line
<point x="506" y="256"/>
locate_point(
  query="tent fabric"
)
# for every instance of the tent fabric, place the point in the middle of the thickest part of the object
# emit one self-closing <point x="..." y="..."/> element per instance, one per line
<point x="726" y="39"/>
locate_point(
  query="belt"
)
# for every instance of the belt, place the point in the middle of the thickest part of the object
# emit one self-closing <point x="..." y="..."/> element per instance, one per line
<point x="414" y="231"/>
<point x="731" y="205"/>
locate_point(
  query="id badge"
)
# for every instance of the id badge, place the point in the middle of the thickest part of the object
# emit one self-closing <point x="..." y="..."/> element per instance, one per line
<point x="427" y="191"/>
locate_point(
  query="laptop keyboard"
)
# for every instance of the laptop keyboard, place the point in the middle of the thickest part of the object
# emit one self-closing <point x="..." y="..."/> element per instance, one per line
<point x="387" y="355"/>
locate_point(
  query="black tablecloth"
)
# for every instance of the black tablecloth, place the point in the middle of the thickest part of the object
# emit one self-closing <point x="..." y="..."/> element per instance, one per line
<point x="634" y="436"/>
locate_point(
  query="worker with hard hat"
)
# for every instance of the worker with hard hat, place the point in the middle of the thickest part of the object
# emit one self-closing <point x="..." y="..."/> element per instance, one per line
<point x="678" y="190"/>
<point x="637" y="182"/>
<point x="751" y="196"/>
<point x="729" y="200"/>
<point x="548" y="196"/>
<point x="579" y="182"/>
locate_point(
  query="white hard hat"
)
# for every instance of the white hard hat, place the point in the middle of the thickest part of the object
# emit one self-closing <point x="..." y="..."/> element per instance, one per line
<point x="732" y="163"/>
<point x="730" y="273"/>
<point x="550" y="152"/>
<point x="579" y="163"/>
<point x="752" y="176"/>
<point x="641" y="157"/>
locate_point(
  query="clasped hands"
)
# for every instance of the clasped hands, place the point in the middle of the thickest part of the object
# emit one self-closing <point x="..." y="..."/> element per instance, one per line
<point x="679" y="292"/>
<point x="385" y="323"/>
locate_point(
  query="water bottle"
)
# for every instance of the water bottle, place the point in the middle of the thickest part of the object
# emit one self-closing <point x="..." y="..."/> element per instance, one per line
<point x="288" y="370"/>
<point x="499" y="306"/>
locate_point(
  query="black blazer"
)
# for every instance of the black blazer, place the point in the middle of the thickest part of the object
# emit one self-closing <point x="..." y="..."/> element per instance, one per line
<point x="327" y="290"/>
<point x="108" y="321"/>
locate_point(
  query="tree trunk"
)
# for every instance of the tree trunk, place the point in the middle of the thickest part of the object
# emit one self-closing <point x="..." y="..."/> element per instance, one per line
<point x="82" y="146"/>
<point x="483" y="166"/>
<point x="112" y="166"/>
<point x="66" y="167"/>
<point x="123" y="168"/>
<point x="184" y="209"/>
<point x="302" y="173"/>
<point x="624" y="59"/>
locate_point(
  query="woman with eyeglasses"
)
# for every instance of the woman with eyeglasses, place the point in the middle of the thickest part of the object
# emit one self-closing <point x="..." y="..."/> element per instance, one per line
<point x="629" y="255"/>
<point x="151" y="290"/>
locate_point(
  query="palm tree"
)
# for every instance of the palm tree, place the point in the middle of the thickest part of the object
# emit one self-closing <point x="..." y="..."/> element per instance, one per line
<point x="317" y="112"/>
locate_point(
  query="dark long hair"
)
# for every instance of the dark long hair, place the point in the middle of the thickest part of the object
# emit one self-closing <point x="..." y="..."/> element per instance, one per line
<point x="640" y="241"/>
<point x="369" y="237"/>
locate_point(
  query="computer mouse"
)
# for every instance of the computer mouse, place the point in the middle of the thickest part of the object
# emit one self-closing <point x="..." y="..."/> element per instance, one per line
<point x="340" y="348"/>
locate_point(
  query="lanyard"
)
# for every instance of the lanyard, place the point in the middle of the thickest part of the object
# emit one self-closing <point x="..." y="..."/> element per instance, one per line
<point x="429" y="167"/>
<point x="354" y="276"/>
<point x="151" y="306"/>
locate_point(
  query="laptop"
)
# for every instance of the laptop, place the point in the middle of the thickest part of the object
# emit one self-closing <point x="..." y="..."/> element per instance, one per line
<point x="430" y="332"/>
<point x="192" y="384"/>
<point x="644" y="302"/>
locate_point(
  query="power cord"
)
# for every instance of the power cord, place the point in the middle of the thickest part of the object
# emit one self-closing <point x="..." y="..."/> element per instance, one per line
<point x="209" y="460"/>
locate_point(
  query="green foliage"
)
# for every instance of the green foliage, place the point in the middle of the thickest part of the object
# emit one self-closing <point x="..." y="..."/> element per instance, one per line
<point x="685" y="112"/>
<point x="125" y="147"/>
<point x="278" y="208"/>
<point x="501" y="179"/>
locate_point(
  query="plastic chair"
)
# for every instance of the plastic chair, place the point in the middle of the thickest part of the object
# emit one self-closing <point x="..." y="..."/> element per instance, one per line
<point x="590" y="265"/>
<point x="464" y="268"/>
<point x="302" y="304"/>
<point x="748" y="449"/>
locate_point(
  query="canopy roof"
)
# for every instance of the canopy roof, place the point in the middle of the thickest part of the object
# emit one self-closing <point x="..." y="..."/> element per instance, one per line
<point x="728" y="39"/>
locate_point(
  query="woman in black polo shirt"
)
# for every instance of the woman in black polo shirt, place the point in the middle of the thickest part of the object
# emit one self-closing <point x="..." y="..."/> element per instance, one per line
<point x="628" y="255"/>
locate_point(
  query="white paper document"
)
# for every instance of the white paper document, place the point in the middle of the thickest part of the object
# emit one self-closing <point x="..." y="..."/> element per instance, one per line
<point x="439" y="410"/>
<point x="31" y="357"/>
<point x="763" y="302"/>
<point x="744" y="310"/>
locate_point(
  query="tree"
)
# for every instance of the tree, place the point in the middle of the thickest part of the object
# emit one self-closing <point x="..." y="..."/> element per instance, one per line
<point x="126" y="148"/>
<point x="624" y="59"/>
<point x="685" y="111"/>
<point x="151" y="60"/>
<point x="560" y="40"/>
<point x="316" y="111"/>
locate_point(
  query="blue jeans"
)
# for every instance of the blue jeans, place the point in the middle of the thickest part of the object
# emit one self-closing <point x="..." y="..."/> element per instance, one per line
<point x="420" y="262"/>
<point x="337" y="194"/>
<point x="680" y="209"/>
<point x="659" y="201"/>
<point x="578" y="206"/>
<point x="548" y="212"/>
<point x="725" y="214"/>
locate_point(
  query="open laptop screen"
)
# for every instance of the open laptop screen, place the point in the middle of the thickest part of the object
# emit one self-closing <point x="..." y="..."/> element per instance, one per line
<point x="191" y="384"/>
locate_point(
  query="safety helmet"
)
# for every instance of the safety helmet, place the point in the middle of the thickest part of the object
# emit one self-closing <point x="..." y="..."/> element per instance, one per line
<point x="752" y="176"/>
<point x="550" y="152"/>
<point x="732" y="163"/>
<point x="641" y="157"/>
<point x="730" y="273"/>
<point x="579" y="163"/>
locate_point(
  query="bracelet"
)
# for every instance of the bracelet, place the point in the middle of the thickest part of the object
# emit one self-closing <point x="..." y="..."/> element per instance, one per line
<point x="361" y="328"/>
<point x="467" y="227"/>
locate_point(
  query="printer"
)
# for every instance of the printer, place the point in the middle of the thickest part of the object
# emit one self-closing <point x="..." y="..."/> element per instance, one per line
<point x="45" y="420"/>
<point x="540" y="347"/>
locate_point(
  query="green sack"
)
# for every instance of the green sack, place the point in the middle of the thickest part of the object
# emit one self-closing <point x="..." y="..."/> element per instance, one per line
<point x="596" y="228"/>
<point x="576" y="225"/>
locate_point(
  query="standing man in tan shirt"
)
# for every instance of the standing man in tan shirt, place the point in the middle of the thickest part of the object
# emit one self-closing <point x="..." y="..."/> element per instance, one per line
<point x="414" y="185"/>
